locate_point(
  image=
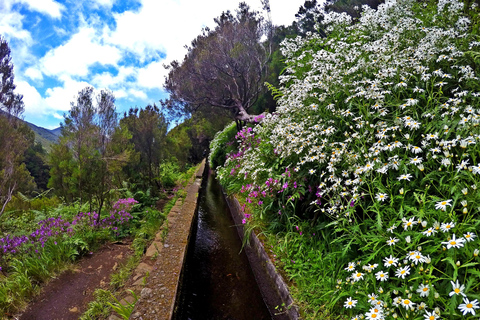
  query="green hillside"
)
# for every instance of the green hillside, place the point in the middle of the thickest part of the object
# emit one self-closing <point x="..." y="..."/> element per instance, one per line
<point x="44" y="136"/>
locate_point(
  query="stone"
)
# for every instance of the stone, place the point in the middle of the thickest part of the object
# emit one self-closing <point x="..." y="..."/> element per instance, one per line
<point x="127" y="300"/>
<point x="138" y="283"/>
<point x="155" y="248"/>
<point x="114" y="317"/>
<point x="144" y="268"/>
<point x="145" y="293"/>
<point x="73" y="310"/>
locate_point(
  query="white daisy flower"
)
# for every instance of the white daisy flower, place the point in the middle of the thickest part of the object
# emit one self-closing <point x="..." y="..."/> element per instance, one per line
<point x="468" y="306"/>
<point x="350" y="303"/>
<point x="447" y="226"/>
<point x="442" y="205"/>
<point x="381" y="276"/>
<point x="390" y="261"/>
<point x="454" y="243"/>
<point x="457" y="289"/>
<point x="381" y="197"/>
<point x="423" y="290"/>
<point x="402" y="272"/>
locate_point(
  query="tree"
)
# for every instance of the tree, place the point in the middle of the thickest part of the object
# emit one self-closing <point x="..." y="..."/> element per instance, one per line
<point x="308" y="18"/>
<point x="13" y="134"/>
<point x="91" y="150"/>
<point x="148" y="129"/>
<point x="224" y="68"/>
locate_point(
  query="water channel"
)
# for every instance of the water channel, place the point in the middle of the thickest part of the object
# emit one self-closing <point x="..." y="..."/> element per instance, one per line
<point x="218" y="282"/>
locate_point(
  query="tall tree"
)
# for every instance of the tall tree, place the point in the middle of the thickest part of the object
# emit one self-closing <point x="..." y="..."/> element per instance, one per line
<point x="92" y="149"/>
<point x="308" y="17"/>
<point x="224" y="67"/>
<point x="148" y="128"/>
<point x="13" y="135"/>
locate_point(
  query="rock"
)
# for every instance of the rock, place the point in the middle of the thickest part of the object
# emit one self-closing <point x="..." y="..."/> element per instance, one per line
<point x="146" y="292"/>
<point x="114" y="317"/>
<point x="138" y="275"/>
<point x="115" y="266"/>
<point x="166" y="246"/>
<point x="138" y="283"/>
<point x="73" y="310"/>
<point x="127" y="300"/>
<point x="144" y="268"/>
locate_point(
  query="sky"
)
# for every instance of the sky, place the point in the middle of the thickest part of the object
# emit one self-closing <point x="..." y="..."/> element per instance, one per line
<point x="60" y="47"/>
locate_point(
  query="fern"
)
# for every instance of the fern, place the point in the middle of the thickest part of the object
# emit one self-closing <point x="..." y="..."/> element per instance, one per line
<point x="276" y="93"/>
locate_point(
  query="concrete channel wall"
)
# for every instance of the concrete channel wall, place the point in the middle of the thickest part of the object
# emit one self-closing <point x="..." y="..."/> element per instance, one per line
<point x="162" y="265"/>
<point x="272" y="285"/>
<point x="158" y="276"/>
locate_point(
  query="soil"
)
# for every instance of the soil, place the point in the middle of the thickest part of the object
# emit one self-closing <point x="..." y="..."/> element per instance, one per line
<point x="67" y="296"/>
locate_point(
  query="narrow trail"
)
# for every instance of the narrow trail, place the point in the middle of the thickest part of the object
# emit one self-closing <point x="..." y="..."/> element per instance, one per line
<point x="67" y="296"/>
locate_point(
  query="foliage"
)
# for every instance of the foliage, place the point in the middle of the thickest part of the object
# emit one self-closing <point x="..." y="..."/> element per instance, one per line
<point x="221" y="145"/>
<point x="124" y="310"/>
<point x="148" y="129"/>
<point x="224" y="67"/>
<point x="15" y="136"/>
<point x="91" y="152"/>
<point x="376" y="139"/>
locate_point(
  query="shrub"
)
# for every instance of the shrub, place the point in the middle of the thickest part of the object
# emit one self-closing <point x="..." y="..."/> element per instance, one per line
<point x="222" y="144"/>
<point x="377" y="131"/>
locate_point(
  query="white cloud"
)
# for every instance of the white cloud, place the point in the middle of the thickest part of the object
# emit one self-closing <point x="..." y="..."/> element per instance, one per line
<point x="11" y="26"/>
<point x="48" y="7"/>
<point x="33" y="73"/>
<point x="34" y="103"/>
<point x="59" y="98"/>
<point x="152" y="76"/>
<point x="83" y="50"/>
<point x="138" y="94"/>
<point x="107" y="80"/>
<point x="105" y="3"/>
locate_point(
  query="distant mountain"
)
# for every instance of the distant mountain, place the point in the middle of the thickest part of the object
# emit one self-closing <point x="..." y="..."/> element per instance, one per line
<point x="44" y="136"/>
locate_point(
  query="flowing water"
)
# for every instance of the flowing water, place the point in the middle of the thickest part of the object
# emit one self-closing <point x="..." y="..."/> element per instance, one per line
<point x="217" y="280"/>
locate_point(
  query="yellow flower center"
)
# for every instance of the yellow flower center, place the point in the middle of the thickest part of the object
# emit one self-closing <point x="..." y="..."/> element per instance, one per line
<point x="431" y="318"/>
<point x="469" y="306"/>
<point x="425" y="289"/>
<point x="453" y="243"/>
<point x="457" y="290"/>
<point x="390" y="261"/>
<point x="406" y="301"/>
<point x="417" y="257"/>
<point x="374" y="316"/>
<point x="350" y="302"/>
<point x="402" y="272"/>
<point x="359" y="274"/>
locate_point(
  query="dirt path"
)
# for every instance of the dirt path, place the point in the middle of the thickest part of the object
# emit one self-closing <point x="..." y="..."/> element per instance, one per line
<point x="67" y="296"/>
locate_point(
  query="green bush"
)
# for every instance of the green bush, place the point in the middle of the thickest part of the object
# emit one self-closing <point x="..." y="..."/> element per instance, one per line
<point x="377" y="136"/>
<point x="221" y="145"/>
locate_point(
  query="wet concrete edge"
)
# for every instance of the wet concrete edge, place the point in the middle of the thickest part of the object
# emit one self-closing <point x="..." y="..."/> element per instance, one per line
<point x="144" y="307"/>
<point x="272" y="285"/>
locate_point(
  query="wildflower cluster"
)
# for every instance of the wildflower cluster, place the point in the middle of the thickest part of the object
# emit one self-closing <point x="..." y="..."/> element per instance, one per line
<point x="380" y="120"/>
<point x="57" y="228"/>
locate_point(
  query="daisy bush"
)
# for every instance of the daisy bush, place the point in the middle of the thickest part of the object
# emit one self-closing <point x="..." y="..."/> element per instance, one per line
<point x="377" y="136"/>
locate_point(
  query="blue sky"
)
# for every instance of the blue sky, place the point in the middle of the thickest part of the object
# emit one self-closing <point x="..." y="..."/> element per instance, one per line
<point x="60" y="47"/>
